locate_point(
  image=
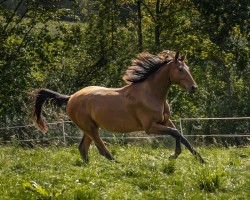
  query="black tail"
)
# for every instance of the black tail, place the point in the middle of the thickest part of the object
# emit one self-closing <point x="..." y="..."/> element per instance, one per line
<point x="42" y="97"/>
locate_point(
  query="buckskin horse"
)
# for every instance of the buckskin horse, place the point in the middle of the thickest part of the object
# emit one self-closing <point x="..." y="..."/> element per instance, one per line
<point x="139" y="106"/>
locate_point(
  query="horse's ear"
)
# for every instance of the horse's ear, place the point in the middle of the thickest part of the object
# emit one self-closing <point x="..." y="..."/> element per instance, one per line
<point x="176" y="56"/>
<point x="183" y="57"/>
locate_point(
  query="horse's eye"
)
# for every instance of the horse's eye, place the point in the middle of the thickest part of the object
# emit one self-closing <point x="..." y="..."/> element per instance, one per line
<point x="180" y="70"/>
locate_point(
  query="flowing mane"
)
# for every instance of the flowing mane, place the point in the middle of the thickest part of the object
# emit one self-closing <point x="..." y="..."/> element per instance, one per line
<point x="145" y="65"/>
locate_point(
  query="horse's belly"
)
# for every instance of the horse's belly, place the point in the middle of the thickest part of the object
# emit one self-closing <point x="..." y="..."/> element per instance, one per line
<point x="118" y="124"/>
<point x="116" y="119"/>
<point x="121" y="127"/>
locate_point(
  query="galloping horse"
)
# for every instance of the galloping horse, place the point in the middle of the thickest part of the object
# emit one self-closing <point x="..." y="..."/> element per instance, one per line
<point x="139" y="106"/>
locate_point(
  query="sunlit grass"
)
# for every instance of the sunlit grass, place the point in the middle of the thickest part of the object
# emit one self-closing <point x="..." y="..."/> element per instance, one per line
<point x="142" y="173"/>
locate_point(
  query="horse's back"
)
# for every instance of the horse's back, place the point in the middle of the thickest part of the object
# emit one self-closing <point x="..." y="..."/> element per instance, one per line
<point x="84" y="98"/>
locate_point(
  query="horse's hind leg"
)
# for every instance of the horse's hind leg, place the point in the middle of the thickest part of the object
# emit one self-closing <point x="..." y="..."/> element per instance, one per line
<point x="103" y="150"/>
<point x="84" y="147"/>
<point x="91" y="130"/>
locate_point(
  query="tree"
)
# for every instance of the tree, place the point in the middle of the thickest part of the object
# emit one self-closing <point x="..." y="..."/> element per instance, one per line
<point x="162" y="14"/>
<point x="26" y="51"/>
<point x="225" y="23"/>
<point x="139" y="26"/>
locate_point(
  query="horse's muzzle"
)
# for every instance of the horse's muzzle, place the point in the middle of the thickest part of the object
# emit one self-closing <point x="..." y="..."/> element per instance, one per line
<point x="193" y="88"/>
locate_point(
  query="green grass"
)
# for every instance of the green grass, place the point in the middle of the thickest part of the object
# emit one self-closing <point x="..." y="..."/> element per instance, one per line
<point x="142" y="173"/>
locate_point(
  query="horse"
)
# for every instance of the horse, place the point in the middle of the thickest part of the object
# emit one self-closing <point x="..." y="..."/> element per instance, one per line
<point x="141" y="105"/>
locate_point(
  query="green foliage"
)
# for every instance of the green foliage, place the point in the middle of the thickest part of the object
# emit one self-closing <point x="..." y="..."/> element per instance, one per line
<point x="169" y="168"/>
<point x="209" y="180"/>
<point x="65" y="46"/>
<point x="142" y="173"/>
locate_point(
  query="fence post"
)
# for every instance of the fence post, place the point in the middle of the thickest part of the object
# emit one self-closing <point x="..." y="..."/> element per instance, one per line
<point x="64" y="137"/>
<point x="181" y="127"/>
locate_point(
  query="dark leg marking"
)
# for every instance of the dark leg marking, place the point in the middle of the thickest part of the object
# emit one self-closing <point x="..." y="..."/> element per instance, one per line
<point x="177" y="150"/>
<point x="106" y="154"/>
<point x="175" y="133"/>
<point x="82" y="151"/>
<point x="185" y="142"/>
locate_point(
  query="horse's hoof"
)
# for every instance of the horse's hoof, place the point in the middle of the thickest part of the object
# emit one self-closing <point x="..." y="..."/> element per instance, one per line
<point x="172" y="156"/>
<point x="114" y="161"/>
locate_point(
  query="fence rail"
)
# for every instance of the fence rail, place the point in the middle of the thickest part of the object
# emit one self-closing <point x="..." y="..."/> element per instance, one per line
<point x="64" y="136"/>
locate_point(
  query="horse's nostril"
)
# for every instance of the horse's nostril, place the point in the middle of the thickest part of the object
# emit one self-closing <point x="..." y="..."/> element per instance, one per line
<point x="193" y="88"/>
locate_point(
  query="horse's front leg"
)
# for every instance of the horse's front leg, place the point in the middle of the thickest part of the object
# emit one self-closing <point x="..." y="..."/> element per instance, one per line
<point x="157" y="128"/>
<point x="177" y="152"/>
<point x="168" y="122"/>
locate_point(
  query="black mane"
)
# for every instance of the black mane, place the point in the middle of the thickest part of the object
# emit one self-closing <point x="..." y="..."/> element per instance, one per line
<point x="145" y="65"/>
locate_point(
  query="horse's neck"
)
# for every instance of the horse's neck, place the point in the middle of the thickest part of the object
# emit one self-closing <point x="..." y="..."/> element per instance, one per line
<point x="159" y="82"/>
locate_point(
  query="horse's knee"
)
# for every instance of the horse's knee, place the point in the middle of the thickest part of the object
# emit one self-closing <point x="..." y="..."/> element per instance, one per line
<point x="168" y="131"/>
<point x="174" y="133"/>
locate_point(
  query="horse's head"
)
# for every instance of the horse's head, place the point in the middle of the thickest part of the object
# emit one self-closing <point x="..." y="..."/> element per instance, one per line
<point x="181" y="75"/>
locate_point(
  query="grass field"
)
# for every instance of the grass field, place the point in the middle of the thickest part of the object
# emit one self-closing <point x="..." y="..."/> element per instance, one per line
<point x="143" y="172"/>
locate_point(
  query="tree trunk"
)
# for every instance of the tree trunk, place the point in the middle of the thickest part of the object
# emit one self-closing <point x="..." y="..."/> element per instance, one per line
<point x="157" y="25"/>
<point x="139" y="26"/>
<point x="157" y="36"/>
